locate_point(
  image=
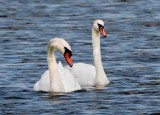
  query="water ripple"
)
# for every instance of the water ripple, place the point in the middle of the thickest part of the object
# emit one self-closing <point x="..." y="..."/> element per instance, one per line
<point x="130" y="55"/>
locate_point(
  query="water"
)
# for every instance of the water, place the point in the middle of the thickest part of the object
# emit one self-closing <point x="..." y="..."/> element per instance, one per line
<point x="130" y="54"/>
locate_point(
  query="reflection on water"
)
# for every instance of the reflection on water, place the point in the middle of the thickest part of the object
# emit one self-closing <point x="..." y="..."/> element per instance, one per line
<point x="130" y="55"/>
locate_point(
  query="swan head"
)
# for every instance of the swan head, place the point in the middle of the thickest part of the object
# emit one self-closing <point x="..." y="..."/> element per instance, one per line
<point x="98" y="25"/>
<point x="63" y="47"/>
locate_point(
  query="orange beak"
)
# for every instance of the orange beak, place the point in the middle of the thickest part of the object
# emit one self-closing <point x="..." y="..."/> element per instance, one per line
<point x="68" y="59"/>
<point x="102" y="31"/>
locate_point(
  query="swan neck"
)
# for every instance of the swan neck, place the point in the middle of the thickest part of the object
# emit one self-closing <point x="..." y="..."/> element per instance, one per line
<point x="56" y="84"/>
<point x="97" y="52"/>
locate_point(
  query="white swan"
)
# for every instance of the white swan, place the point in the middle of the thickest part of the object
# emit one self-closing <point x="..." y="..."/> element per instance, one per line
<point x="88" y="75"/>
<point x="57" y="78"/>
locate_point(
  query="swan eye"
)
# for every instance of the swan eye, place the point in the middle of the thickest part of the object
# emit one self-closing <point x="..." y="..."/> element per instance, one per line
<point x="67" y="51"/>
<point x="100" y="26"/>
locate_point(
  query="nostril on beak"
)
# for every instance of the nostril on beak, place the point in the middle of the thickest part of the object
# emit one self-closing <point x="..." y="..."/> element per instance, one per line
<point x="105" y="36"/>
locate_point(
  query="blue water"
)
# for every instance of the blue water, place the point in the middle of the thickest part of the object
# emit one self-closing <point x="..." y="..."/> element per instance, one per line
<point x="130" y="55"/>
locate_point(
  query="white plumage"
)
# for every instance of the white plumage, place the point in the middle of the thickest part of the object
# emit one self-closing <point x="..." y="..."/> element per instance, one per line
<point x="57" y="78"/>
<point x="88" y="75"/>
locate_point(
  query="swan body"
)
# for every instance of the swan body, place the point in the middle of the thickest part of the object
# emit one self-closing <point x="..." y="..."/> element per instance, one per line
<point x="57" y="78"/>
<point x="88" y="75"/>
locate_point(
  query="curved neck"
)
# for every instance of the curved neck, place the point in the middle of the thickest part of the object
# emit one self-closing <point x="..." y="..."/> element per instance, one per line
<point x="97" y="52"/>
<point x="56" y="84"/>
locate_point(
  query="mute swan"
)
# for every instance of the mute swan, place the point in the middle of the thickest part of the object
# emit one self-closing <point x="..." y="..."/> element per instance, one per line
<point x="87" y="75"/>
<point x="57" y="78"/>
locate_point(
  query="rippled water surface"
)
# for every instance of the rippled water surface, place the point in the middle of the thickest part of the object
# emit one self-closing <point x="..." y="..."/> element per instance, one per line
<point x="130" y="55"/>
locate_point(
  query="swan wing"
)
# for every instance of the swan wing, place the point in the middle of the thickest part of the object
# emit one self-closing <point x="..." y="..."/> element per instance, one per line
<point x="44" y="83"/>
<point x="85" y="74"/>
<point x="69" y="81"/>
